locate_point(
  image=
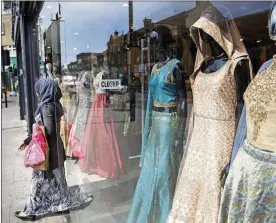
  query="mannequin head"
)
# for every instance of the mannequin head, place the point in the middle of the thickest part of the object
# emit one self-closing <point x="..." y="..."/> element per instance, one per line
<point x="206" y="37"/>
<point x="272" y="22"/>
<point x="215" y="47"/>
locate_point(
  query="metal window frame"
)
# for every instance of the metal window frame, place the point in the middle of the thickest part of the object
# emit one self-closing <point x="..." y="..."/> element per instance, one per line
<point x="2" y="29"/>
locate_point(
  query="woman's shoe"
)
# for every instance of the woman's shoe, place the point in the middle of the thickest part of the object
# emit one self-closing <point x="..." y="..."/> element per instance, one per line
<point x="25" y="217"/>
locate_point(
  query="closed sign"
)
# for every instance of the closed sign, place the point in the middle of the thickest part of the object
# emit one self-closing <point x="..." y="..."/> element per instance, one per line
<point x="110" y="84"/>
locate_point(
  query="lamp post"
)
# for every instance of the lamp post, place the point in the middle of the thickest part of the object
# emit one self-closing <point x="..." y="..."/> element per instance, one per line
<point x="132" y="93"/>
<point x="130" y="32"/>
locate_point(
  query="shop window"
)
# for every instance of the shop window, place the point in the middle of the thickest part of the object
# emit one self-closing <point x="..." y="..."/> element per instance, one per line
<point x="119" y="117"/>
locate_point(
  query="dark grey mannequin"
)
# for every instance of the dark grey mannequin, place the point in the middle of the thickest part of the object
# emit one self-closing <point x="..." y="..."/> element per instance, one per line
<point x="163" y="56"/>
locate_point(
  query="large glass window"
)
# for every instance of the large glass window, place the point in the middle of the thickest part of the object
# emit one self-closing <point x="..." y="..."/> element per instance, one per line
<point x="126" y="71"/>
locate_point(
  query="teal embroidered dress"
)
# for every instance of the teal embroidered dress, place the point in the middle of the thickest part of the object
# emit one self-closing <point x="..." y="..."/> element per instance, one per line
<point x="159" y="158"/>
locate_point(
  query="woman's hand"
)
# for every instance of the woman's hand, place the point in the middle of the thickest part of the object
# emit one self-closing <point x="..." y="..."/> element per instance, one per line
<point x="22" y="147"/>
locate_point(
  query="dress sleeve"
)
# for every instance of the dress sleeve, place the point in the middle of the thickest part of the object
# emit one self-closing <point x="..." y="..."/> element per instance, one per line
<point x="178" y="74"/>
<point x="147" y="127"/>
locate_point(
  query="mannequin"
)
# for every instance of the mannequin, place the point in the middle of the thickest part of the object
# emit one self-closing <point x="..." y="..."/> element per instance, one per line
<point x="250" y="189"/>
<point x="52" y="73"/>
<point x="242" y="128"/>
<point x="165" y="54"/>
<point x="98" y="156"/>
<point x="56" y="76"/>
<point x="163" y="136"/>
<point x="68" y="89"/>
<point x="213" y="119"/>
<point x="49" y="70"/>
<point x="84" y="86"/>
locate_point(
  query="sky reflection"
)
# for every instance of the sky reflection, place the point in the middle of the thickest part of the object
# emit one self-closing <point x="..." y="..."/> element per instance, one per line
<point x="88" y="25"/>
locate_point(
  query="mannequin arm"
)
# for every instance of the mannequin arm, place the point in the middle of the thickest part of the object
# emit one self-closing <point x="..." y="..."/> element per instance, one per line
<point x="242" y="76"/>
<point x="179" y="74"/>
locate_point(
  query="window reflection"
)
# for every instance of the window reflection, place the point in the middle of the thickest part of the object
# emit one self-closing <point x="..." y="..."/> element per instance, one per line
<point x="90" y="47"/>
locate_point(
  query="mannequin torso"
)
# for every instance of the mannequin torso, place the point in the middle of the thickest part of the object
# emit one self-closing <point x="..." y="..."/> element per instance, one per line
<point x="177" y="78"/>
<point x="217" y="61"/>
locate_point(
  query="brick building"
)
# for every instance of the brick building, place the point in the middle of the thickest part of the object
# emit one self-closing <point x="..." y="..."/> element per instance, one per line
<point x="6" y="32"/>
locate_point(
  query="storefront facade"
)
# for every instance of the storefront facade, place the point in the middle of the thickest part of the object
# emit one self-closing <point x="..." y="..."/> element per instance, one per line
<point x="24" y="19"/>
<point x="129" y="74"/>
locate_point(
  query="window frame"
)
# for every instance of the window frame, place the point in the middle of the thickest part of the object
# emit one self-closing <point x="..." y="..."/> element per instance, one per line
<point x="2" y="28"/>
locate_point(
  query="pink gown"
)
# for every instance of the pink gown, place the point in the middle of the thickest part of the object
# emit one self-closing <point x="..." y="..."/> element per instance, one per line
<point x="100" y="150"/>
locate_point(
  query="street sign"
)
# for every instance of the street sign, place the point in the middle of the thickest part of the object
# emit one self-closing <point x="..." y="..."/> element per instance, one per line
<point x="110" y="84"/>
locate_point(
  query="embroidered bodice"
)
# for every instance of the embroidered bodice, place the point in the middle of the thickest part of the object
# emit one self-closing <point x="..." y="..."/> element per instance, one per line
<point x="260" y="100"/>
<point x="162" y="85"/>
<point x="162" y="93"/>
<point x="215" y="93"/>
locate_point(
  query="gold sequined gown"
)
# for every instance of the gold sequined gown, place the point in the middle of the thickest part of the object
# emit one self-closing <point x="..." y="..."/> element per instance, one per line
<point x="250" y="190"/>
<point x="69" y="106"/>
<point x="197" y="196"/>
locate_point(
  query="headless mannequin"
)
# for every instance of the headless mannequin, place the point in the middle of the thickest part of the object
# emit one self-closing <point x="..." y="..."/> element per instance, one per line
<point x="218" y="60"/>
<point x="56" y="76"/>
<point x="49" y="70"/>
<point x="242" y="129"/>
<point x="178" y="75"/>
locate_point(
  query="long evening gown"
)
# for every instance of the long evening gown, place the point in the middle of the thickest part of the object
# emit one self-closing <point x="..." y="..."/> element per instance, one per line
<point x="159" y="159"/>
<point x="197" y="197"/>
<point x="241" y="131"/>
<point x="100" y="150"/>
<point x="69" y="105"/>
<point x="82" y="111"/>
<point x="250" y="189"/>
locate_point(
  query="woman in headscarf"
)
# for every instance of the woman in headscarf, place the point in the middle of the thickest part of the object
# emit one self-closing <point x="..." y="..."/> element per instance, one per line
<point x="48" y="190"/>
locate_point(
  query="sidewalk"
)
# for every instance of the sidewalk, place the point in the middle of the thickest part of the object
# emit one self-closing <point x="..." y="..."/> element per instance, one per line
<point x="112" y="200"/>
